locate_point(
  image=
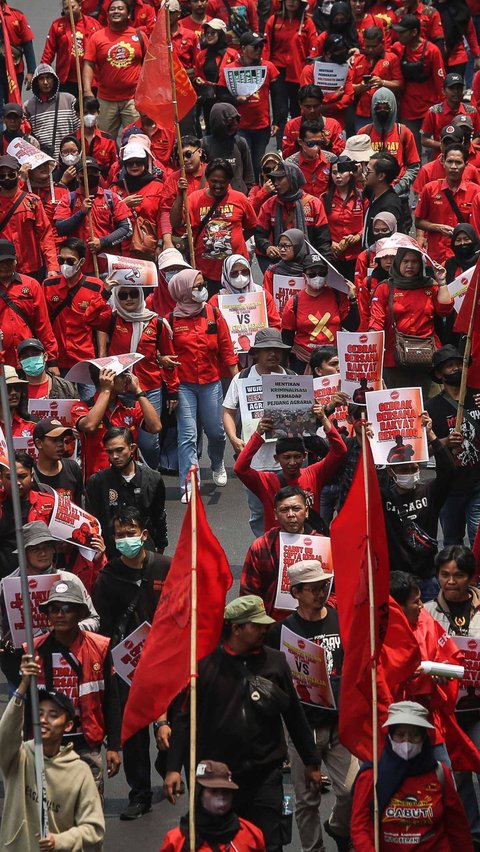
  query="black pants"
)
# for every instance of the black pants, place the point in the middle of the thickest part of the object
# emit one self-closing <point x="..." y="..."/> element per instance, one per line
<point x="289" y="101"/>
<point x="136" y="757"/>
<point x="259" y="800"/>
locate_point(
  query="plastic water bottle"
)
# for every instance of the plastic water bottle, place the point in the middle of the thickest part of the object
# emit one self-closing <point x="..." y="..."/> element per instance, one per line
<point x="287" y="806"/>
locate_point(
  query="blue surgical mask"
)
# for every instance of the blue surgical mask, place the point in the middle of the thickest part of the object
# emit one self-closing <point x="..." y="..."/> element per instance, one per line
<point x="129" y="546"/>
<point x="33" y="366"/>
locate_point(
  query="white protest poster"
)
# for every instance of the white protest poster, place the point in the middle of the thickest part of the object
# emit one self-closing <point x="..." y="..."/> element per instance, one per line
<point x="73" y="524"/>
<point x="243" y="82"/>
<point x="398" y="434"/>
<point x="307" y="662"/>
<point x="250" y="399"/>
<point x="289" y="401"/>
<point x="27" y="154"/>
<point x="118" y="363"/>
<point x="132" y="271"/>
<point x="361" y="362"/>
<point x="459" y="286"/>
<point x="330" y="76"/>
<point x="245" y="314"/>
<point x="470" y="647"/>
<point x="25" y="444"/>
<point x="39" y="588"/>
<point x="127" y="653"/>
<point x="65" y="680"/>
<point x="296" y="548"/>
<point x="57" y="409"/>
<point x="324" y="389"/>
<point x="284" y="287"/>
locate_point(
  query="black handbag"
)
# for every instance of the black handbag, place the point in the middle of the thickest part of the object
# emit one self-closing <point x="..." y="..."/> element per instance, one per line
<point x="266" y="696"/>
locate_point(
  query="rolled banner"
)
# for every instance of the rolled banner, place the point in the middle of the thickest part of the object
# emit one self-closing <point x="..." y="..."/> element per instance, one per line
<point x="442" y="669"/>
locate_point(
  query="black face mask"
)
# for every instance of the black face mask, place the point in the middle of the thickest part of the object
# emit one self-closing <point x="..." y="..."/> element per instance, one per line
<point x="465" y="250"/>
<point x="382" y="115"/>
<point x="93" y="184"/>
<point x="340" y="58"/>
<point x="8" y="183"/>
<point x="453" y="379"/>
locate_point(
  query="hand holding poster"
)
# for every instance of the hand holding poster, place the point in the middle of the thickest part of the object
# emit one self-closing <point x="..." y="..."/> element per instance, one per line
<point x="361" y="362"/>
<point x="308" y="664"/>
<point x="243" y="82"/>
<point x="398" y="434"/>
<point x="288" y="400"/>
<point x="245" y="314"/>
<point x="459" y="286"/>
<point x="329" y="75"/>
<point x="250" y="398"/>
<point x="132" y="271"/>
<point x="127" y="653"/>
<point x="470" y="685"/>
<point x="295" y="548"/>
<point x="39" y="589"/>
<point x="118" y="363"/>
<point x="73" y="524"/>
<point x="324" y="389"/>
<point x="58" y="409"/>
<point x="284" y="287"/>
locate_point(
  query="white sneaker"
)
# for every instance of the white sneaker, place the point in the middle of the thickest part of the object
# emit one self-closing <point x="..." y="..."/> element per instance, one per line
<point x="220" y="476"/>
<point x="185" y="498"/>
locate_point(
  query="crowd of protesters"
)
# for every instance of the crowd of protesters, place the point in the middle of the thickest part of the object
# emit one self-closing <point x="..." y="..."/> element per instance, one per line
<point x="329" y="170"/>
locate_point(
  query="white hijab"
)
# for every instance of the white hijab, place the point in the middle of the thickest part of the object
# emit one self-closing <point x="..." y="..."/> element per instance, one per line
<point x="139" y="318"/>
<point x="226" y="281"/>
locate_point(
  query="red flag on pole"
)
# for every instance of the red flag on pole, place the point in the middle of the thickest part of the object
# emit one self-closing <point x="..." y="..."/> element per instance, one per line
<point x="14" y="96"/>
<point x="164" y="667"/>
<point x="153" y="95"/>
<point x="470" y="303"/>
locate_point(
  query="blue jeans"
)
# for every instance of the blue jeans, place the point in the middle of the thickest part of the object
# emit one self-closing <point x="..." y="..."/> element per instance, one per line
<point x="149" y="443"/>
<point x="255" y="520"/>
<point x="464" y="780"/>
<point x="257" y="142"/>
<point x="460" y="510"/>
<point x="206" y="402"/>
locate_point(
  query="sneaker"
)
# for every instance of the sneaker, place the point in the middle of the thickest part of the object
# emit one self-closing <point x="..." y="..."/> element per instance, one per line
<point x="135" y="810"/>
<point x="220" y="476"/>
<point x="185" y="498"/>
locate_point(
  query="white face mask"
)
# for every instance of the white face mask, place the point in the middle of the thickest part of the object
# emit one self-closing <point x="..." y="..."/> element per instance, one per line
<point x="406" y="750"/>
<point x="70" y="159"/>
<point x="200" y="295"/>
<point x="407" y="480"/>
<point x="89" y="120"/>
<point x="69" y="271"/>
<point x="317" y="283"/>
<point x="241" y="281"/>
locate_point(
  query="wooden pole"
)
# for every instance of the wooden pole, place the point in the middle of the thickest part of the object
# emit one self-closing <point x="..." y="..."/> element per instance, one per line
<point x="466" y="355"/>
<point x="181" y="161"/>
<point x="193" y="664"/>
<point x="82" y="128"/>
<point x="371" y="598"/>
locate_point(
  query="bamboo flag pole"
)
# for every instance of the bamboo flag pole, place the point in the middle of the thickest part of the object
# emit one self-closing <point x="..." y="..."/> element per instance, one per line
<point x="466" y="356"/>
<point x="371" y="598"/>
<point x="82" y="127"/>
<point x="181" y="161"/>
<point x="27" y="613"/>
<point x="193" y="664"/>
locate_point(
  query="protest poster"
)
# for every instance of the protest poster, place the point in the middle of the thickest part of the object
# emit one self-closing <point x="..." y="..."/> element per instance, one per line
<point x="3" y="450"/>
<point x="118" y="363"/>
<point x="25" y="444"/>
<point x="307" y="662"/>
<point x="244" y="82"/>
<point x="470" y="685"/>
<point x="459" y="286"/>
<point x="284" y="287"/>
<point x="245" y="314"/>
<point x="65" y="680"/>
<point x="250" y="399"/>
<point x="330" y="76"/>
<point x="57" y="409"/>
<point x="28" y="154"/>
<point x="73" y="524"/>
<point x="131" y="271"/>
<point x="324" y="389"/>
<point x="289" y="400"/>
<point x="398" y="434"/>
<point x="127" y="653"/>
<point x="39" y="588"/>
<point x="295" y="548"/>
<point x="361" y="363"/>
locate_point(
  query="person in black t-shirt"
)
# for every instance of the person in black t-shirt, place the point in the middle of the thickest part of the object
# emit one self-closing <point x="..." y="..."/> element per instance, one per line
<point x="318" y="622"/>
<point x="462" y="506"/>
<point x="61" y="474"/>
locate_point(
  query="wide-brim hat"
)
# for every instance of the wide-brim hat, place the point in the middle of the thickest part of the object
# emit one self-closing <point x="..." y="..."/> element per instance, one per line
<point x="407" y="713"/>
<point x="268" y="338"/>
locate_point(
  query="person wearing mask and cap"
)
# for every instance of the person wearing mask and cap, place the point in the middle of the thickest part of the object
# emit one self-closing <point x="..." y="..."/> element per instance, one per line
<point x="316" y="621"/>
<point x="15" y="126"/>
<point x="50" y="112"/>
<point x="335" y="103"/>
<point x="201" y="341"/>
<point x="254" y="751"/>
<point x="162" y="140"/>
<point x="169" y="262"/>
<point x="225" y="143"/>
<point x="291" y="207"/>
<point x="373" y="68"/>
<point x="214" y="56"/>
<point x="42" y="383"/>
<point x="464" y="123"/>
<point x="442" y="114"/>
<point x="344" y="206"/>
<point x="98" y="144"/>
<point x="142" y="192"/>
<point x="462" y="506"/>
<point x="216" y="823"/>
<point x="24" y="222"/>
<point x="111" y="218"/>
<point x="174" y="187"/>
<point x="59" y="44"/>
<point x="409" y="771"/>
<point x="466" y="250"/>
<point x="314" y="315"/>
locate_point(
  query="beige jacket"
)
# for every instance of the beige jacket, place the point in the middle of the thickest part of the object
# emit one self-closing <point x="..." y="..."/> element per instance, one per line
<point x="74" y="809"/>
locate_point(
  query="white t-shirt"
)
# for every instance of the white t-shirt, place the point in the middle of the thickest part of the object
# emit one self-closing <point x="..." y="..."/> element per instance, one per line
<point x="263" y="458"/>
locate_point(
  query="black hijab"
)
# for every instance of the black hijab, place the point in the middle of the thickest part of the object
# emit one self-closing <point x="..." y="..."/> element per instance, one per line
<point x="392" y="770"/>
<point x="212" y="830"/>
<point x="455" y="16"/>
<point x="300" y="251"/>
<point x="463" y="259"/>
<point x="400" y="281"/>
<point x="349" y="30"/>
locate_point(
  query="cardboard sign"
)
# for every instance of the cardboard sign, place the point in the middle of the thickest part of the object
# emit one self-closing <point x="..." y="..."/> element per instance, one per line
<point x="118" y="363"/>
<point x="73" y="524"/>
<point x="58" y="409"/>
<point x="324" y="389"/>
<point x="243" y="82"/>
<point x="289" y="400"/>
<point x="126" y="654"/>
<point x="132" y="271"/>
<point x="307" y="662"/>
<point x="295" y="548"/>
<point x="245" y="314"/>
<point x="39" y="586"/>
<point x="329" y="75"/>
<point x="285" y="287"/>
<point x="470" y="647"/>
<point x="459" y="286"/>
<point x="398" y="434"/>
<point x="25" y="444"/>
<point x="361" y="362"/>
<point x="27" y="154"/>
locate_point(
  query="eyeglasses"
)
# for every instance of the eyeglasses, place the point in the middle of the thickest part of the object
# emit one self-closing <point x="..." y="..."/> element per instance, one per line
<point x="312" y="273"/>
<point x="135" y="162"/>
<point x="70" y="261"/>
<point x="368" y="171"/>
<point x="312" y="143"/>
<point x="284" y="246"/>
<point x="128" y="294"/>
<point x="64" y="609"/>
<point x="188" y="154"/>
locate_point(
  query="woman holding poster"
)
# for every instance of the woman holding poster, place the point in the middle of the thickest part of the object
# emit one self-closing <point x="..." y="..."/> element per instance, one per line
<point x="285" y="274"/>
<point x="237" y="278"/>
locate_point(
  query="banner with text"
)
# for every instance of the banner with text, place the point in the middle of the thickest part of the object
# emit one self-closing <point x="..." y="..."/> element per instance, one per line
<point x="398" y="434"/>
<point x="330" y="76"/>
<point x="470" y="685"/>
<point x="289" y="400"/>
<point x="25" y="444"/>
<point x="324" y="389"/>
<point x="307" y="662"/>
<point x="295" y="548"/>
<point x="361" y="362"/>
<point x="73" y="524"/>
<point x="39" y="588"/>
<point x="250" y="399"/>
<point x="57" y="409"/>
<point x="126" y="654"/>
<point x="284" y="287"/>
<point x="245" y="314"/>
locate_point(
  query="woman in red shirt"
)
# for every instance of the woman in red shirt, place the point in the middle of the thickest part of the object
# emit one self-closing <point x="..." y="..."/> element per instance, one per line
<point x="142" y="192"/>
<point x="201" y="342"/>
<point x="209" y="65"/>
<point x="344" y="206"/>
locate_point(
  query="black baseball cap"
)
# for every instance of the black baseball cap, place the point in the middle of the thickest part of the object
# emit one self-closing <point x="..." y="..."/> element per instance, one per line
<point x="407" y="24"/>
<point x="251" y="38"/>
<point x="60" y="699"/>
<point x="7" y="249"/>
<point x="90" y="163"/>
<point x="312" y="261"/>
<point x="13" y="108"/>
<point x="445" y="353"/>
<point x="453" y="80"/>
<point x="452" y="132"/>
<point x="30" y="343"/>
<point x="51" y="428"/>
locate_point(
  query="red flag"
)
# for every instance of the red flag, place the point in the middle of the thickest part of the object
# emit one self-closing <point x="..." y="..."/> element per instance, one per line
<point x="153" y="95"/>
<point x="164" y="667"/>
<point x="13" y="88"/>
<point x="470" y="302"/>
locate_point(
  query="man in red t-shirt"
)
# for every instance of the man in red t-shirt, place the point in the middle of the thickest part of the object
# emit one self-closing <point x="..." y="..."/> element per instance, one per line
<point x="59" y="44"/>
<point x="442" y="114"/>
<point x="114" y="57"/>
<point x="313" y="162"/>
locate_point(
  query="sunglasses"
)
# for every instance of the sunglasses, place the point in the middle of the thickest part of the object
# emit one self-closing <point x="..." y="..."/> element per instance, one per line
<point x="64" y="609"/>
<point x="312" y="143"/>
<point x="128" y="294"/>
<point x="70" y="261"/>
<point x="188" y="154"/>
<point x="8" y="175"/>
<point x="312" y="273"/>
<point x="243" y="271"/>
<point x="135" y="162"/>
